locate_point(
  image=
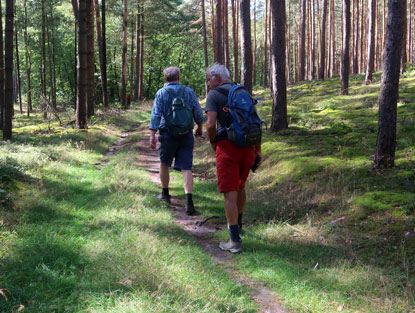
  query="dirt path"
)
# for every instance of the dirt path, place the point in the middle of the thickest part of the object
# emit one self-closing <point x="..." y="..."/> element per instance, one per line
<point x="199" y="227"/>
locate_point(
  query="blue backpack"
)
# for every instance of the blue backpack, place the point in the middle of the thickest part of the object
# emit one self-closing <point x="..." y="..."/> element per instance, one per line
<point x="179" y="117"/>
<point x="246" y="127"/>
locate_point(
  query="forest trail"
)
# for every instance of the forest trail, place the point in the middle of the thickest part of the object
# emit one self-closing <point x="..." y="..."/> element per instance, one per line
<point x="198" y="227"/>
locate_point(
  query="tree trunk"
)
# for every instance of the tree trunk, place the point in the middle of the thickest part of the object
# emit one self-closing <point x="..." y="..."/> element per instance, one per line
<point x="254" y="49"/>
<point x="18" y="72"/>
<point x="404" y="55"/>
<point x="235" y="42"/>
<point x="28" y="63"/>
<point x="246" y="51"/>
<point x="332" y="41"/>
<point x="321" y="70"/>
<point x="226" y="34"/>
<point x="91" y="61"/>
<point x="81" y="104"/>
<point x="123" y="95"/>
<point x="371" y="43"/>
<point x="132" y="63"/>
<point x="301" y="70"/>
<point x="219" y="32"/>
<point x="100" y="44"/>
<point x="389" y="91"/>
<point x="313" y="41"/>
<point x="43" y="74"/>
<point x="141" y="77"/>
<point x="2" y="107"/>
<point x="8" y="74"/>
<point x="205" y="42"/>
<point x="345" y="54"/>
<point x="356" y="39"/>
<point x="279" y="90"/>
<point x="212" y="29"/>
<point x="266" y="45"/>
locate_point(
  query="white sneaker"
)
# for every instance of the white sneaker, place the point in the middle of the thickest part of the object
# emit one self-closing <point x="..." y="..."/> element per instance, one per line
<point x="231" y="246"/>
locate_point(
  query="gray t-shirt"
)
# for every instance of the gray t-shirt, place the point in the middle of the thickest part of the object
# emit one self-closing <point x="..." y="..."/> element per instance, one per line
<point x="216" y="101"/>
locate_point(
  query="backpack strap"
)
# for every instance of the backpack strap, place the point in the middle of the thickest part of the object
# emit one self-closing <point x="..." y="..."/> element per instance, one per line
<point x="223" y="91"/>
<point x="180" y="94"/>
<point x="170" y="92"/>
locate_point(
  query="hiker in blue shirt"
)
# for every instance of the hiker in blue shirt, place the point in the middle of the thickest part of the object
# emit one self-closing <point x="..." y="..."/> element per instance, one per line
<point x="174" y="110"/>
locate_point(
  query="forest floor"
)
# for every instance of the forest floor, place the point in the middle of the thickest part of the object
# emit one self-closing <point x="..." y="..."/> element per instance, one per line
<point x="81" y="230"/>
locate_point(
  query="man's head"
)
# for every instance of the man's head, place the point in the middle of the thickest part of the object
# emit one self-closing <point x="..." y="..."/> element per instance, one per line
<point x="217" y="74"/>
<point x="171" y="74"/>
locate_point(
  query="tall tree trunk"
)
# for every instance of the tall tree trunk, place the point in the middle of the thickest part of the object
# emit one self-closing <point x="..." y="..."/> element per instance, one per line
<point x="361" y="38"/>
<point x="410" y="33"/>
<point x="81" y="99"/>
<point x="254" y="49"/>
<point x="43" y="74"/>
<point x="313" y="40"/>
<point x="301" y="71"/>
<point x="205" y="51"/>
<point x="219" y="32"/>
<point x="246" y="51"/>
<point x="141" y="76"/>
<point x="2" y="108"/>
<point x="53" y="65"/>
<point x="321" y="73"/>
<point x="225" y="34"/>
<point x="100" y="44"/>
<point x="266" y="45"/>
<point x="345" y="53"/>
<point x="332" y="41"/>
<point x="28" y="63"/>
<point x="213" y="29"/>
<point x="91" y="61"/>
<point x="404" y="55"/>
<point x="279" y="90"/>
<point x="288" y="49"/>
<point x="123" y="95"/>
<point x="235" y="41"/>
<point x="132" y="62"/>
<point x="356" y="39"/>
<point x="389" y="91"/>
<point x="371" y="43"/>
<point x="8" y="73"/>
<point x="19" y="82"/>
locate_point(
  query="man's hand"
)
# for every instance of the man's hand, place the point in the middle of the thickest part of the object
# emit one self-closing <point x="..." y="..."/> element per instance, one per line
<point x="153" y="140"/>
<point x="199" y="130"/>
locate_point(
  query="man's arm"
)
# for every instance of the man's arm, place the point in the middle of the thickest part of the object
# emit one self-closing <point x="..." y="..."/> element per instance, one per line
<point x="197" y="115"/>
<point x="153" y="140"/>
<point x="211" y="128"/>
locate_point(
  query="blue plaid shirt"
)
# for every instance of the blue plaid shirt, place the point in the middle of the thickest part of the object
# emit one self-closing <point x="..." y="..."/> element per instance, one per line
<point x="163" y="101"/>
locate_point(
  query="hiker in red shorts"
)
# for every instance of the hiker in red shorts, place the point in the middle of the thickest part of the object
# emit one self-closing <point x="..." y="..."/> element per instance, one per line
<point x="232" y="162"/>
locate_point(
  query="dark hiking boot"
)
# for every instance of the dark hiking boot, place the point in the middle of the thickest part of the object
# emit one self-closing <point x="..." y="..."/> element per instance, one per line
<point x="231" y="246"/>
<point x="166" y="198"/>
<point x="189" y="208"/>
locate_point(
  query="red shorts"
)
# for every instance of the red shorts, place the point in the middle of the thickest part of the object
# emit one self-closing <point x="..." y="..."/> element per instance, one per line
<point x="232" y="165"/>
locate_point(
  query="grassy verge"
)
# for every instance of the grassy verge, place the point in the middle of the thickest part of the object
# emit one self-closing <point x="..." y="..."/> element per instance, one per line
<point x="75" y="238"/>
<point x="324" y="229"/>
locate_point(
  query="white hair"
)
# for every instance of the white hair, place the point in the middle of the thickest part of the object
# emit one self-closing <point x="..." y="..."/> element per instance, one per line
<point x="218" y="69"/>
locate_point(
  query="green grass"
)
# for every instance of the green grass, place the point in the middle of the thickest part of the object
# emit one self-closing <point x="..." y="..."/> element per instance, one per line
<point x="74" y="238"/>
<point x="323" y="229"/>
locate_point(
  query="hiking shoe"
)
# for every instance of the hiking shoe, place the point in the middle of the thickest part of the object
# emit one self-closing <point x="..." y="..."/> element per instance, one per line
<point x="189" y="208"/>
<point x="231" y="246"/>
<point x="165" y="198"/>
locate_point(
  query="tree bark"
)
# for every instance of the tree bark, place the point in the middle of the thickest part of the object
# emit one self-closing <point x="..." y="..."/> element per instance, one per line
<point x="404" y="55"/>
<point x="235" y="42"/>
<point x="225" y="34"/>
<point x="91" y="61"/>
<point x="43" y="74"/>
<point x="28" y="63"/>
<point x="141" y="76"/>
<point x="246" y="51"/>
<point x="81" y="104"/>
<point x="301" y="70"/>
<point x="266" y="46"/>
<point x="19" y="82"/>
<point x="2" y="107"/>
<point x="356" y="39"/>
<point x="8" y="73"/>
<point x="279" y="90"/>
<point x="345" y="54"/>
<point x="371" y="43"/>
<point x="100" y="44"/>
<point x="389" y="91"/>
<point x="205" y="51"/>
<point x="219" y="32"/>
<point x="254" y="48"/>
<point x="123" y="95"/>
<point x="321" y="71"/>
